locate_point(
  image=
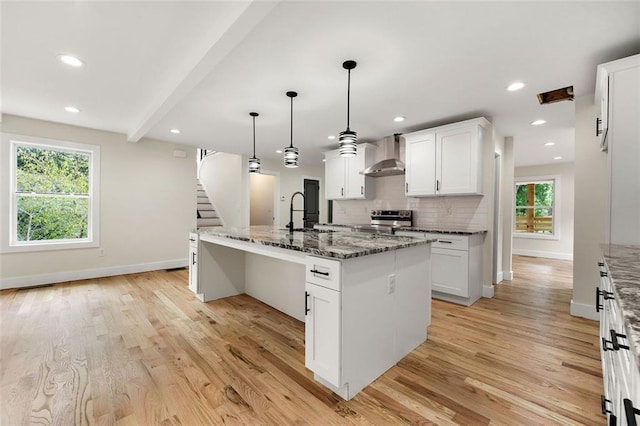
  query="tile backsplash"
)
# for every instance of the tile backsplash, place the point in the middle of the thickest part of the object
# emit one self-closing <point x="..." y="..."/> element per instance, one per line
<point x="461" y="211"/>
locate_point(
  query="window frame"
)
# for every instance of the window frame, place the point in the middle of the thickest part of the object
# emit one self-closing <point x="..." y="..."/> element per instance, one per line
<point x="555" y="235"/>
<point x="10" y="242"/>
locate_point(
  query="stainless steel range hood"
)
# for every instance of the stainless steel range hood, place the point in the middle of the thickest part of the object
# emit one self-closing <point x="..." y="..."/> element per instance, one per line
<point x="391" y="165"/>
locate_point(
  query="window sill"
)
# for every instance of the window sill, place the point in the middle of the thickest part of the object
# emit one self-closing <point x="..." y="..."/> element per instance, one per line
<point x="22" y="248"/>
<point x="532" y="236"/>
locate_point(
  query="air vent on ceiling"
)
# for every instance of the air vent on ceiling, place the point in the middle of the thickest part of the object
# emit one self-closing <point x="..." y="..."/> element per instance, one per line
<point x="564" y="94"/>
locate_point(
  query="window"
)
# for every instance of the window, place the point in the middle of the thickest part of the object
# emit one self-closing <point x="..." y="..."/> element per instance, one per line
<point x="53" y="194"/>
<point x="536" y="213"/>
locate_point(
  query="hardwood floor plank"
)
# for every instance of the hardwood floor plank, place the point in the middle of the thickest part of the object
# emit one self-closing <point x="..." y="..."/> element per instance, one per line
<point x="140" y="349"/>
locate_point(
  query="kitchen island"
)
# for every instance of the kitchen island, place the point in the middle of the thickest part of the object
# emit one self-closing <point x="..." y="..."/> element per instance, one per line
<point x="365" y="298"/>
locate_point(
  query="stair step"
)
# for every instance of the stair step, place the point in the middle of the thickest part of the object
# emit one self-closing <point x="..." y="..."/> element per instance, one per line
<point x="209" y="222"/>
<point x="205" y="207"/>
<point x="208" y="214"/>
<point x="202" y="199"/>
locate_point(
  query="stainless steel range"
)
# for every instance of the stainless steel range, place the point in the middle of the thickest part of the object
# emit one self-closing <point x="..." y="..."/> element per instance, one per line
<point x="386" y="221"/>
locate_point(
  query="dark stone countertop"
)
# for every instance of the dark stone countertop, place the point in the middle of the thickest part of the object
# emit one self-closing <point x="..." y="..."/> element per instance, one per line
<point x="443" y="230"/>
<point x="623" y="263"/>
<point x="339" y="245"/>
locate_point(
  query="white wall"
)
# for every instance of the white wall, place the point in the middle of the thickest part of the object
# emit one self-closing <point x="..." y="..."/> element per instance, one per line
<point x="223" y="177"/>
<point x="591" y="195"/>
<point x="262" y="203"/>
<point x="147" y="209"/>
<point x="562" y="248"/>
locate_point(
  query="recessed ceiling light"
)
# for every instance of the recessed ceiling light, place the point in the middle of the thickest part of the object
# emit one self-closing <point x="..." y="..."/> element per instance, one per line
<point x="549" y="144"/>
<point x="71" y="109"/>
<point x="278" y="151"/>
<point x="70" y="60"/>
<point x="557" y="158"/>
<point x="399" y="119"/>
<point x="331" y="137"/>
<point x="175" y="131"/>
<point x="516" y="85"/>
<point x="324" y="160"/>
<point x="538" y="122"/>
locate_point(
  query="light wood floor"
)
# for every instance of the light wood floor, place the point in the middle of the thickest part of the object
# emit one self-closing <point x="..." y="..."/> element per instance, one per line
<point x="141" y="350"/>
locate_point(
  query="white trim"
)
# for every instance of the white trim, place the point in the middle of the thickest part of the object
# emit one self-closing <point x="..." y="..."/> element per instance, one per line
<point x="58" y="277"/>
<point x="544" y="254"/>
<point x="8" y="243"/>
<point x="555" y="207"/>
<point x="508" y="275"/>
<point x="487" y="291"/>
<point x="584" y="311"/>
<point x="499" y="277"/>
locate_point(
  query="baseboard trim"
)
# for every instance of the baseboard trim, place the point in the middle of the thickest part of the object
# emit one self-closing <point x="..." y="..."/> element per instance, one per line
<point x="584" y="311"/>
<point x="499" y="278"/>
<point x="85" y="274"/>
<point x="508" y="276"/>
<point x="544" y="254"/>
<point x="487" y="291"/>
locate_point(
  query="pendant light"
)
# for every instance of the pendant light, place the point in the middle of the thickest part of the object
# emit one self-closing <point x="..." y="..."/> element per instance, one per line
<point x="254" y="162"/>
<point x="348" y="138"/>
<point x="291" y="152"/>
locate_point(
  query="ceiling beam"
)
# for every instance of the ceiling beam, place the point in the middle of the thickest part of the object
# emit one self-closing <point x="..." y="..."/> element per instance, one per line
<point x="193" y="71"/>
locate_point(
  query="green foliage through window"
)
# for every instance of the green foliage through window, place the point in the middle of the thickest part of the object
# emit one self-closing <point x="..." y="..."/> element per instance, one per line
<point x="534" y="207"/>
<point x="52" y="194"/>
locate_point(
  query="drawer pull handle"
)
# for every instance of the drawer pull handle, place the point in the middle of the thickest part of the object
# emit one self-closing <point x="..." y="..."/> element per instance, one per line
<point x="603" y="274"/>
<point x="631" y="412"/>
<point x="315" y="271"/>
<point x="598" y="123"/>
<point x="603" y="404"/>
<point x="306" y="302"/>
<point x="600" y="264"/>
<point x="614" y="340"/>
<point x="598" y="305"/>
<point x="191" y="239"/>
<point x="605" y="346"/>
<point x="445" y="241"/>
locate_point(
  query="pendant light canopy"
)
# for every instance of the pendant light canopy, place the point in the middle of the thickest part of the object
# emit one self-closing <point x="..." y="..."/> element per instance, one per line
<point x="348" y="138"/>
<point x="291" y="152"/>
<point x="254" y="162"/>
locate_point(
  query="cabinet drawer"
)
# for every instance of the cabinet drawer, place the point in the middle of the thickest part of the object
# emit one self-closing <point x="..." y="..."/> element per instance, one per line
<point x="453" y="242"/>
<point x="193" y="239"/>
<point x="323" y="272"/>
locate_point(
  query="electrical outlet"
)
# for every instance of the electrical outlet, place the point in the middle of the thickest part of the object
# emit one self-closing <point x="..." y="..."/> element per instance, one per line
<point x="101" y="252"/>
<point x="449" y="210"/>
<point x="391" y="287"/>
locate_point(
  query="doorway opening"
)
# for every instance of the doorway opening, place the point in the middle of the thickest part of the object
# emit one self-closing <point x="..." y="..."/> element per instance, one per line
<point x="311" y="189"/>
<point x="262" y="190"/>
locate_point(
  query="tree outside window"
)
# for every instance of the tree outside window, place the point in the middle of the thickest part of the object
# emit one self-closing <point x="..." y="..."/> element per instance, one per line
<point x="535" y="207"/>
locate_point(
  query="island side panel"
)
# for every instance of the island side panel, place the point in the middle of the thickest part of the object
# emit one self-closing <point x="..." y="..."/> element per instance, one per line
<point x="413" y="295"/>
<point x="278" y="283"/>
<point x="221" y="271"/>
<point x="368" y="319"/>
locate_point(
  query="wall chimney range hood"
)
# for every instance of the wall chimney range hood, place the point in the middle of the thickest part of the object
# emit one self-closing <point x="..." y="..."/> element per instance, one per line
<point x="391" y="165"/>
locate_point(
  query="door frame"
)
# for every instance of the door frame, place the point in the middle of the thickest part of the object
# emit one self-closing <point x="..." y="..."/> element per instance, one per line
<point x="302" y="178"/>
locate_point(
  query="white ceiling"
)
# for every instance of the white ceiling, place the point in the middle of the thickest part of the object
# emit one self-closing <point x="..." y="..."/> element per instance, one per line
<point x="203" y="66"/>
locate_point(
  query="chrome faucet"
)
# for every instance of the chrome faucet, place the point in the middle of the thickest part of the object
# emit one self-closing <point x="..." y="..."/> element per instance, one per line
<point x="291" y="210"/>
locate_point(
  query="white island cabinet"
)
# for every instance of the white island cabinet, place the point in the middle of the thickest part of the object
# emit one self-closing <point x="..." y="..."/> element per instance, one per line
<point x="446" y="160"/>
<point x="365" y="299"/>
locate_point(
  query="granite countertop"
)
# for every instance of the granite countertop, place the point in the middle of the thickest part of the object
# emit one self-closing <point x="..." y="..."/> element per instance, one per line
<point x="339" y="245"/>
<point x="443" y="230"/>
<point x="623" y="263"/>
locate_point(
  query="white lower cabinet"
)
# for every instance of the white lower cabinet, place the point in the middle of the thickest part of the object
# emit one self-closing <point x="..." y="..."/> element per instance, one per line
<point x="363" y="315"/>
<point x="193" y="262"/>
<point x="450" y="271"/>
<point x="621" y="376"/>
<point x="322" y="332"/>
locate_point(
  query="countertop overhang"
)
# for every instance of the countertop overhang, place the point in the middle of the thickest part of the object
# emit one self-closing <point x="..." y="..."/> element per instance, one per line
<point x="338" y="245"/>
<point x="425" y="229"/>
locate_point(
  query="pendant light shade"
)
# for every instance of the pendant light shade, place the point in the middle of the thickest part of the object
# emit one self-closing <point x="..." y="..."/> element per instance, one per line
<point x="254" y="162"/>
<point x="348" y="138"/>
<point x="291" y="152"/>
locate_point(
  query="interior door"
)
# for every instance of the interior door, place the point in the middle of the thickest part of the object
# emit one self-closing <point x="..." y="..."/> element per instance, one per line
<point x="311" y="202"/>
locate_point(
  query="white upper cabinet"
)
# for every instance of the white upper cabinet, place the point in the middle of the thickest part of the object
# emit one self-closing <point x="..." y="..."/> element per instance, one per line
<point x="420" y="165"/>
<point x="446" y="160"/>
<point x="342" y="174"/>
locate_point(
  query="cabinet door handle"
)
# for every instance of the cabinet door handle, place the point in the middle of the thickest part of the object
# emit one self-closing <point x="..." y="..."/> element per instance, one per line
<point x="630" y="412"/>
<point x="603" y="273"/>
<point x="193" y="258"/>
<point x="361" y="190"/>
<point x="598" y="129"/>
<point x="605" y="345"/>
<point x="603" y="404"/>
<point x="614" y="340"/>
<point x="406" y="187"/>
<point x="437" y="185"/>
<point x="315" y="271"/>
<point x="600" y="264"/>
<point x="598" y="305"/>
<point x="306" y="302"/>
<point x="342" y="191"/>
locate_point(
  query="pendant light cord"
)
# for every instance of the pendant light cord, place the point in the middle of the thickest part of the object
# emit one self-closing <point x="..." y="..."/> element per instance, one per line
<point x="291" y="145"/>
<point x="254" y="137"/>
<point x="348" y="95"/>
